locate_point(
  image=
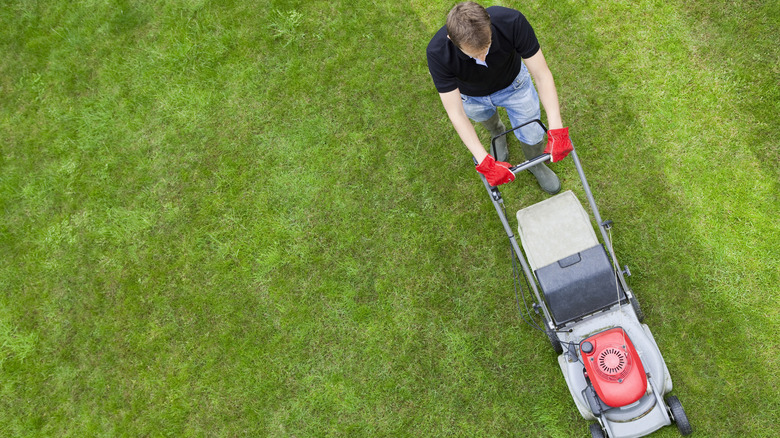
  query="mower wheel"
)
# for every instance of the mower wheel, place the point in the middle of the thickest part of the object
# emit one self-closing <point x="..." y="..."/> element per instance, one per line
<point x="678" y="415"/>
<point x="638" y="310"/>
<point x="556" y="344"/>
<point x="596" y="431"/>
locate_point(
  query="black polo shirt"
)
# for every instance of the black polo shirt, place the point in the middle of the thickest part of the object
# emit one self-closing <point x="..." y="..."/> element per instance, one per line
<point x="513" y="39"/>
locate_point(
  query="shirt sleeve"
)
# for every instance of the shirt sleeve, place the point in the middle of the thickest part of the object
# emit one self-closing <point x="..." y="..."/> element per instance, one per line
<point x="525" y="40"/>
<point x="443" y="78"/>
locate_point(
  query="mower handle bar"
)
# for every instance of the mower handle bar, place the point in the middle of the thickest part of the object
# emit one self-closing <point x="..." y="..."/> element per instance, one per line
<point x="528" y="163"/>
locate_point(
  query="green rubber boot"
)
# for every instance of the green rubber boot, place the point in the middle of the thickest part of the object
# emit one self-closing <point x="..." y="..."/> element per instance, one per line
<point x="547" y="179"/>
<point x="495" y="127"/>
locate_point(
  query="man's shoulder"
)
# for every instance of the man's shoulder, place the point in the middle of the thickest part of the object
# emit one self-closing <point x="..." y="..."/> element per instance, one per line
<point x="441" y="57"/>
<point x="502" y="15"/>
<point x="438" y="41"/>
<point x="502" y="11"/>
<point x="439" y="49"/>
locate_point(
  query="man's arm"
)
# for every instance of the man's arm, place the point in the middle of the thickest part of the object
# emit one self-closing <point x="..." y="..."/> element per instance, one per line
<point x="454" y="107"/>
<point x="545" y="85"/>
<point x="558" y="141"/>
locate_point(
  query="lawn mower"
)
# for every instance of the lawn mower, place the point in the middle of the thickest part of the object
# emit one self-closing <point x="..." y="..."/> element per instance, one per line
<point x="609" y="358"/>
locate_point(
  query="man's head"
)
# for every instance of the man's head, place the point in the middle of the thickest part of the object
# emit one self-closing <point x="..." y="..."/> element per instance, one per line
<point x="468" y="27"/>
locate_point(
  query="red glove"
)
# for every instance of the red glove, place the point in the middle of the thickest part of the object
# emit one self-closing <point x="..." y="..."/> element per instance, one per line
<point x="496" y="172"/>
<point x="558" y="144"/>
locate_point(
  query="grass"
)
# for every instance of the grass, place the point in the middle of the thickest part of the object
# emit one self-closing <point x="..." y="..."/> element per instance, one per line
<point x="231" y="219"/>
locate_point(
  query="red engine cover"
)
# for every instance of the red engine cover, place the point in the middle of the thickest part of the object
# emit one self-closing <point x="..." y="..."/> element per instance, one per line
<point x="614" y="367"/>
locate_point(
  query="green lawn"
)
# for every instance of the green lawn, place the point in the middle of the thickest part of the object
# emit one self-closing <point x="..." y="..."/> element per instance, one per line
<point x="232" y="218"/>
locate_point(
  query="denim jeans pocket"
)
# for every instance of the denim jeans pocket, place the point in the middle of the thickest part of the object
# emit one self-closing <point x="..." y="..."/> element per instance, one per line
<point x="519" y="82"/>
<point x="522" y="78"/>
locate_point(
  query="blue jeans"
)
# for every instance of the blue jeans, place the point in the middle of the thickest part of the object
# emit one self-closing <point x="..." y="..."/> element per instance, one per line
<point x="521" y="102"/>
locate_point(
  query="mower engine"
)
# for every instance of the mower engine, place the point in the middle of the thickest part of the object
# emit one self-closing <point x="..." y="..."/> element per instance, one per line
<point x="613" y="368"/>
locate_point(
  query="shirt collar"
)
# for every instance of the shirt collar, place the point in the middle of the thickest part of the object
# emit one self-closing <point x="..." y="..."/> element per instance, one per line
<point x="494" y="44"/>
<point x="483" y="63"/>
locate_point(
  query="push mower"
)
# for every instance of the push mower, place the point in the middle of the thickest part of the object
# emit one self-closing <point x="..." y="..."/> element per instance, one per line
<point x="609" y="358"/>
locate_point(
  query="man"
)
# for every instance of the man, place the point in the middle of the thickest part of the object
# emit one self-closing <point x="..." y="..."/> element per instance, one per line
<point x="484" y="59"/>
